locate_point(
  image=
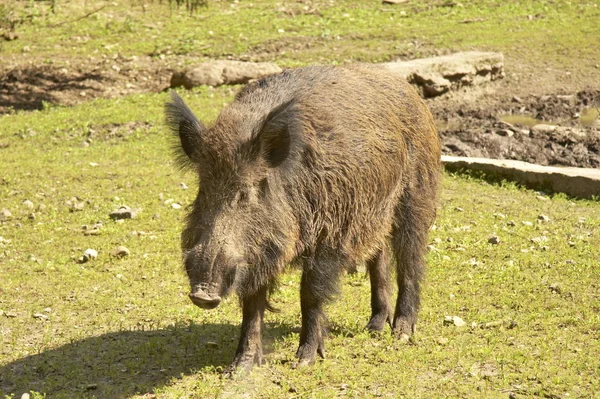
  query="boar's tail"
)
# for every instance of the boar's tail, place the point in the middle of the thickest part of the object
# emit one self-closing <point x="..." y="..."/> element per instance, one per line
<point x="187" y="131"/>
<point x="271" y="308"/>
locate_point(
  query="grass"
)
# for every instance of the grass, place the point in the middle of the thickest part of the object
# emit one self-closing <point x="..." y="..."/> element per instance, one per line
<point x="316" y="31"/>
<point x="124" y="328"/>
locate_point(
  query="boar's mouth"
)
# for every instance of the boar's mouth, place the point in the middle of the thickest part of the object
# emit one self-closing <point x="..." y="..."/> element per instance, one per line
<point x="203" y="298"/>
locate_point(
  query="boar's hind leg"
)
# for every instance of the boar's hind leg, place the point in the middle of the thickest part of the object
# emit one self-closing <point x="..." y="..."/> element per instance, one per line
<point x="378" y="267"/>
<point x="249" y="351"/>
<point x="318" y="285"/>
<point x="413" y="216"/>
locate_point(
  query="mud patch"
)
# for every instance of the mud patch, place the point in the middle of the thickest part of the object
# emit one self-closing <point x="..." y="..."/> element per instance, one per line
<point x="71" y="81"/>
<point x="510" y="132"/>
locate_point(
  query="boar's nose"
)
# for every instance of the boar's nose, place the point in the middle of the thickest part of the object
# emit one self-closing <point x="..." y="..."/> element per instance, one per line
<point x="203" y="300"/>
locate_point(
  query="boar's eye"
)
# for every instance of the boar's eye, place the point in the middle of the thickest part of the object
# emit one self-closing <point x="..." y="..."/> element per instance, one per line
<point x="241" y="197"/>
<point x="263" y="187"/>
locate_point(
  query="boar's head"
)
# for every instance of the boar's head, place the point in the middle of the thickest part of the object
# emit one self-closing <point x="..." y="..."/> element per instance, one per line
<point x="239" y="232"/>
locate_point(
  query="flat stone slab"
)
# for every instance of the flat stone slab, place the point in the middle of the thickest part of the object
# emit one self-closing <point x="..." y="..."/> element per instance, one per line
<point x="438" y="75"/>
<point x="216" y="73"/>
<point x="576" y="182"/>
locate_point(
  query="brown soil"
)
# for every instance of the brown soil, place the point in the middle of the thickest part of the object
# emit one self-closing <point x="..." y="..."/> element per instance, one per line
<point x="472" y="123"/>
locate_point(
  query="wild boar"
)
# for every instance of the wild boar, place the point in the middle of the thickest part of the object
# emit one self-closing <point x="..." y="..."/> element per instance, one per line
<point x="322" y="167"/>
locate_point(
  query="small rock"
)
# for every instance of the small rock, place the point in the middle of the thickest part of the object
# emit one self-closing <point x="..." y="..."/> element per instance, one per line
<point x="124" y="212"/>
<point x="505" y="133"/>
<point x="492" y="324"/>
<point x="47" y="310"/>
<point x="543" y="219"/>
<point x="175" y="205"/>
<point x="454" y="320"/>
<point x="555" y="288"/>
<point x="28" y="204"/>
<point x="459" y="209"/>
<point x="89" y="254"/>
<point x="120" y="252"/>
<point x="542" y="198"/>
<point x="527" y="223"/>
<point x="495" y="240"/>
<point x="542" y="128"/>
<point x="94" y="164"/>
<point x="539" y="240"/>
<point x="499" y="215"/>
<point x="516" y="99"/>
<point x="75" y="204"/>
<point x="5" y="215"/>
<point x="511" y="223"/>
<point x="40" y="316"/>
<point x="25" y="396"/>
<point x="183" y="186"/>
<point x="211" y="344"/>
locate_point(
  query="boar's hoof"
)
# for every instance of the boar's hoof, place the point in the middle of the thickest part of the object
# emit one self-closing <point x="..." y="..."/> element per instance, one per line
<point x="377" y="322"/>
<point x="307" y="354"/>
<point x="404" y="328"/>
<point x="243" y="363"/>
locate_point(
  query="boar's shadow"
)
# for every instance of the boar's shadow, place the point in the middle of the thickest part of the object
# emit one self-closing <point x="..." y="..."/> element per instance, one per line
<point x="125" y="363"/>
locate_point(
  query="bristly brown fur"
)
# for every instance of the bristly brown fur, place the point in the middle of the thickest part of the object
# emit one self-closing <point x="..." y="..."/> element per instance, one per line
<point x="321" y="166"/>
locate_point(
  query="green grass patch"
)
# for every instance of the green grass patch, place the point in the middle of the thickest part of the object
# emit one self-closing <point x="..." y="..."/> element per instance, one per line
<point x="123" y="327"/>
<point x="315" y="32"/>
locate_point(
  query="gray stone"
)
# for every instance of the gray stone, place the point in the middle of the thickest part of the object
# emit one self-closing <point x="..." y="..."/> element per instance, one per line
<point x="89" y="254"/>
<point x="120" y="251"/>
<point x="124" y="212"/>
<point x="437" y="75"/>
<point x="216" y="73"/>
<point x="5" y="214"/>
<point x="576" y="182"/>
<point x="542" y="128"/>
<point x="495" y="240"/>
<point x="454" y="320"/>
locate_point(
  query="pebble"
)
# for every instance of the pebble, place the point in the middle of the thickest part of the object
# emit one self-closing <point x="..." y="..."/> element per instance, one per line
<point x="40" y="316"/>
<point x="5" y="215"/>
<point x="175" y="205"/>
<point x="75" y="204"/>
<point x="25" y="396"/>
<point x="495" y="240"/>
<point x="124" y="212"/>
<point x="28" y="204"/>
<point x="183" y="186"/>
<point x="526" y="223"/>
<point x="120" y="251"/>
<point x="543" y="219"/>
<point x="454" y="320"/>
<point x="89" y="254"/>
<point x="505" y="133"/>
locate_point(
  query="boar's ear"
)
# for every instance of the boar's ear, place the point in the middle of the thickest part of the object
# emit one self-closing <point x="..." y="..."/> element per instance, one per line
<point x="276" y="136"/>
<point x="184" y="124"/>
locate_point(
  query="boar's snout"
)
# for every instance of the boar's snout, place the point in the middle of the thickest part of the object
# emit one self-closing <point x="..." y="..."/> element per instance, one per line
<point x="211" y="277"/>
<point x="203" y="300"/>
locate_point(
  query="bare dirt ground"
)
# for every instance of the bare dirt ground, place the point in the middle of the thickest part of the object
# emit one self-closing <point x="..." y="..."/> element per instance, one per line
<point x="493" y="121"/>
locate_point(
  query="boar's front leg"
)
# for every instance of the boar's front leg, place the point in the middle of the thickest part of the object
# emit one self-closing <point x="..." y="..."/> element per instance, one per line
<point x="249" y="350"/>
<point x="318" y="285"/>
